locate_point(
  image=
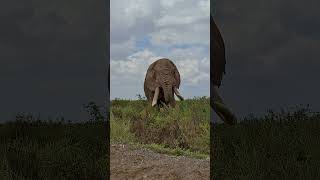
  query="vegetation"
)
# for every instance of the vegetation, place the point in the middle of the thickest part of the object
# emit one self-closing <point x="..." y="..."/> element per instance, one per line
<point x="280" y="145"/>
<point x="31" y="148"/>
<point x="184" y="130"/>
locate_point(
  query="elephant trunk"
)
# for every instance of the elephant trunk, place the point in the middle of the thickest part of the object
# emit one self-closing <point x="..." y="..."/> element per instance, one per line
<point x="167" y="91"/>
<point x="221" y="109"/>
<point x="167" y="87"/>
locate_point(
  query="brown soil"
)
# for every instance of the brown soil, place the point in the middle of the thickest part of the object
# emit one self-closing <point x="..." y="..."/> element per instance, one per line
<point x="129" y="162"/>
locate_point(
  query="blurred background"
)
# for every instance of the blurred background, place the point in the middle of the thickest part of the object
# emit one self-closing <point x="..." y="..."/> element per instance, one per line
<point x="272" y="51"/>
<point x="53" y="57"/>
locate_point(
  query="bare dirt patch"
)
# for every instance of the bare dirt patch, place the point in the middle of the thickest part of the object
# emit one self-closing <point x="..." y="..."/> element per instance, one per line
<point x="130" y="162"/>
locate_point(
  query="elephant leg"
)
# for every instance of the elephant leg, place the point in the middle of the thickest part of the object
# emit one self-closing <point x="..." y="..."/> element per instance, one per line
<point x="221" y="109"/>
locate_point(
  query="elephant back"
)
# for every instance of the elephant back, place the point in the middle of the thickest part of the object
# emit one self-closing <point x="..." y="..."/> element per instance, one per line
<point x="170" y="68"/>
<point x="217" y="55"/>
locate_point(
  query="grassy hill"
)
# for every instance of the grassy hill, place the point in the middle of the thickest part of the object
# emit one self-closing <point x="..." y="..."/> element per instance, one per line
<point x="183" y="130"/>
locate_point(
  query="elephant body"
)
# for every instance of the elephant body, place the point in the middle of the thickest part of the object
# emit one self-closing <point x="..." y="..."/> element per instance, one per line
<point x="217" y="70"/>
<point x="162" y="81"/>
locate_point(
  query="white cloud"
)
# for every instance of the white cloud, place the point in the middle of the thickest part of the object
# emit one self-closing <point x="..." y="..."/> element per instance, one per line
<point x="131" y="19"/>
<point x="133" y="67"/>
<point x="122" y="49"/>
<point x="184" y="13"/>
<point x="191" y="71"/>
<point x="169" y="3"/>
<point x="193" y="64"/>
<point x="126" y="13"/>
<point x="133" y="64"/>
<point x="198" y="34"/>
<point x="182" y="22"/>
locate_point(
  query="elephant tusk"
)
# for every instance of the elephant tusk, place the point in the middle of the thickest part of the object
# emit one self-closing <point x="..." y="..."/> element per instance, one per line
<point x="155" y="97"/>
<point x="178" y="94"/>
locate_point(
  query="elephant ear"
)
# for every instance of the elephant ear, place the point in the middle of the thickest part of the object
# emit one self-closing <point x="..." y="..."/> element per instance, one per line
<point x="150" y="80"/>
<point x="176" y="75"/>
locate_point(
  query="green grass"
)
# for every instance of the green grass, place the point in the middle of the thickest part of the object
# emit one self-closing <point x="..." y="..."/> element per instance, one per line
<point x="284" y="145"/>
<point x="184" y="130"/>
<point x="53" y="150"/>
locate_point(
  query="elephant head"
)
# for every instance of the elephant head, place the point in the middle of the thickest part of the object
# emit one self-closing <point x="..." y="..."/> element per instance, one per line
<point x="218" y="60"/>
<point x="162" y="81"/>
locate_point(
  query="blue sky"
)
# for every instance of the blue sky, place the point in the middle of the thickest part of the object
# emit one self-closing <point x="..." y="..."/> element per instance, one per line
<point x="143" y="31"/>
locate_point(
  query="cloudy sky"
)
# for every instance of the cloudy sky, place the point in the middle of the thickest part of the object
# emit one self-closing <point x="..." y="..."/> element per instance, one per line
<point x="272" y="50"/>
<point x="143" y="31"/>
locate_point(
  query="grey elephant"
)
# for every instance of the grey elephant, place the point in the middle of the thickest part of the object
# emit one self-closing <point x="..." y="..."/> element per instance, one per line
<point x="217" y="70"/>
<point x="162" y="82"/>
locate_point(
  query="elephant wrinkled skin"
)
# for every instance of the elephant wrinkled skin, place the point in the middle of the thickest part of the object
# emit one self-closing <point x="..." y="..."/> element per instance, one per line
<point x="162" y="81"/>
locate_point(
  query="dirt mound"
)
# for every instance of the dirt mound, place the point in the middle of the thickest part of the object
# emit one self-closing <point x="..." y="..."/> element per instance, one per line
<point x="129" y="162"/>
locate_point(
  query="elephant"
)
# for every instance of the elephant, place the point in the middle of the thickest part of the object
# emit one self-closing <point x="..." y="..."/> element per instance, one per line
<point x="217" y="71"/>
<point x="161" y="82"/>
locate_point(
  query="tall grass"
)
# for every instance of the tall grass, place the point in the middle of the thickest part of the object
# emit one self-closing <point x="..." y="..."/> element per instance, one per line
<point x="186" y="126"/>
<point x="31" y="148"/>
<point x="280" y="145"/>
